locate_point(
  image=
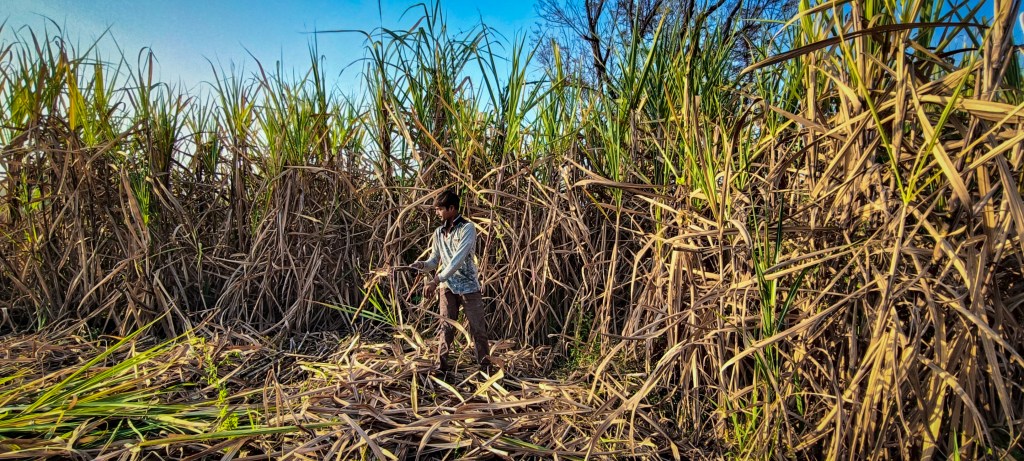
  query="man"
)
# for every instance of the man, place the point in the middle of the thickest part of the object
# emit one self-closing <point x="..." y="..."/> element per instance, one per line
<point x="452" y="255"/>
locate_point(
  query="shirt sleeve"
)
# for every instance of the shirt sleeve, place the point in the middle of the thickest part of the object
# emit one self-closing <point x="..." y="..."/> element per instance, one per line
<point x="464" y="249"/>
<point x="431" y="262"/>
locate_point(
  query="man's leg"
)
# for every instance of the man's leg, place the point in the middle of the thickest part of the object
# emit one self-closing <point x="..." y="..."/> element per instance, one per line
<point x="446" y="331"/>
<point x="473" y="303"/>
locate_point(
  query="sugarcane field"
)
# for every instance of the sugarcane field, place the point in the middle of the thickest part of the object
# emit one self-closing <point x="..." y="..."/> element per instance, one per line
<point x="560" y="229"/>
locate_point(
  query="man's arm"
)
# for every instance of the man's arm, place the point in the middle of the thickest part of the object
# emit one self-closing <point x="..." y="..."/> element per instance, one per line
<point x="467" y="243"/>
<point x="431" y="262"/>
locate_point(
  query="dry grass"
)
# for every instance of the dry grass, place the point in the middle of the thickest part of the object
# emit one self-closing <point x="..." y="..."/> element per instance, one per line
<point x="339" y="399"/>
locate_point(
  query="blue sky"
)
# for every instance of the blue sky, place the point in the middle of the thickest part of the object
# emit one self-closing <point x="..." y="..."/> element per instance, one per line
<point x="184" y="33"/>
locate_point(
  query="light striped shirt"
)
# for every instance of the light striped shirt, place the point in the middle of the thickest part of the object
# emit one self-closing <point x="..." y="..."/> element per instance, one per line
<point x="452" y="254"/>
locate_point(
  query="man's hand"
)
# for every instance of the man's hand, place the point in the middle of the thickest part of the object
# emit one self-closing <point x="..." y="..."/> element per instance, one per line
<point x="418" y="265"/>
<point x="431" y="287"/>
<point x="403" y="268"/>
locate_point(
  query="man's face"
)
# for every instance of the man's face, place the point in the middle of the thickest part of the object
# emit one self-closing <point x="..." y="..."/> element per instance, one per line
<point x="445" y="213"/>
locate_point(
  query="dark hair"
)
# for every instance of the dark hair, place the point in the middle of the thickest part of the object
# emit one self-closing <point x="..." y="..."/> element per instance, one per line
<point x="448" y="198"/>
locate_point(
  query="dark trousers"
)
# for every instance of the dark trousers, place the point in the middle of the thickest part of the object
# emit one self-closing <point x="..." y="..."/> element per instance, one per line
<point x="473" y="304"/>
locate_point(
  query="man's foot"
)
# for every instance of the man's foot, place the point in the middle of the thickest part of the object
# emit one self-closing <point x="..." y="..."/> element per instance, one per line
<point x="487" y="366"/>
<point x="441" y="371"/>
<point x="445" y="376"/>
